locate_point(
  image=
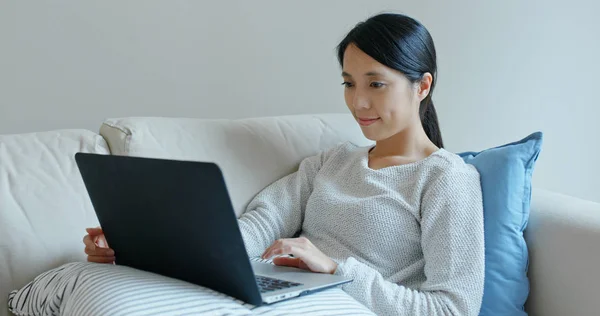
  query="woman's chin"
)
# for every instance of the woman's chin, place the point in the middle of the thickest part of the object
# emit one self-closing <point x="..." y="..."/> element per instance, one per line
<point x="371" y="136"/>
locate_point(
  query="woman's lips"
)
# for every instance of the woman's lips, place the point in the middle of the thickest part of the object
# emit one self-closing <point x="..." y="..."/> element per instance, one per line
<point x="367" y="122"/>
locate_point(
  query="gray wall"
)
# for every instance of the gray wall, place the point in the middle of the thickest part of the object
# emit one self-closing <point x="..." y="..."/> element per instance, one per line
<point x="507" y="68"/>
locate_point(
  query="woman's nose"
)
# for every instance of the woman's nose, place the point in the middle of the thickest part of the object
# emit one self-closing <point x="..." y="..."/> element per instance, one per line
<point x="360" y="101"/>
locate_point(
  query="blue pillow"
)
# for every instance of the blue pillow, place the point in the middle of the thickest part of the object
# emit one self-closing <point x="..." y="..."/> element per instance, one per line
<point x="506" y="184"/>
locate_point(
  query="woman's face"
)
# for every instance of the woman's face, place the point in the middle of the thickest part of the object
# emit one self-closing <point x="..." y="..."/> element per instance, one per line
<point x="382" y="99"/>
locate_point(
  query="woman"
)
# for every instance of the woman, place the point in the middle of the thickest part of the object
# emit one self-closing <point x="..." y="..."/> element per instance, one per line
<point x="403" y="218"/>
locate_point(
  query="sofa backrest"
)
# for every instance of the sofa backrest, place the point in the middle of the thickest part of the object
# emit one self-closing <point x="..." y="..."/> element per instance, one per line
<point x="44" y="206"/>
<point x="252" y="153"/>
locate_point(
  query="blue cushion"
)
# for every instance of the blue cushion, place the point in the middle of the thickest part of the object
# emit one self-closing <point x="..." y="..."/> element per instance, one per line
<point x="506" y="183"/>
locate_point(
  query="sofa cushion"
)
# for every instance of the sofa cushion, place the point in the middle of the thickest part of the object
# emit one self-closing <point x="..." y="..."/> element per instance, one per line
<point x="44" y="206"/>
<point x="252" y="153"/>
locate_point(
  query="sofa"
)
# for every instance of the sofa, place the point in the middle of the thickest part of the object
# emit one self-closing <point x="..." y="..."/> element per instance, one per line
<point x="44" y="206"/>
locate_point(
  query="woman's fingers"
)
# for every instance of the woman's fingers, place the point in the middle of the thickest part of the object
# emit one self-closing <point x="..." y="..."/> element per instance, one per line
<point x="103" y="252"/>
<point x="268" y="252"/>
<point x="290" y="262"/>
<point x="292" y="246"/>
<point x="100" y="241"/>
<point x="96" y="234"/>
<point x="94" y="231"/>
<point x="101" y="259"/>
<point x="88" y="242"/>
<point x="97" y="246"/>
<point x="306" y="255"/>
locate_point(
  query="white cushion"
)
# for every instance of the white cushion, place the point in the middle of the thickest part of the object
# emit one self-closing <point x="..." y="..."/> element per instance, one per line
<point x="104" y="289"/>
<point x="44" y="207"/>
<point x="251" y="152"/>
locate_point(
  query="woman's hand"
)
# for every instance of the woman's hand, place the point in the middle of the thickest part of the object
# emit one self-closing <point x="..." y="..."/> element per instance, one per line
<point x="306" y="255"/>
<point x="96" y="246"/>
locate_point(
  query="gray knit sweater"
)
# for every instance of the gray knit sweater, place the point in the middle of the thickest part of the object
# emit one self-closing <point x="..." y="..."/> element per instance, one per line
<point x="411" y="236"/>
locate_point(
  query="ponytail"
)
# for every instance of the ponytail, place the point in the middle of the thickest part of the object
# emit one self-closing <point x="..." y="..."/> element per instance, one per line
<point x="430" y="122"/>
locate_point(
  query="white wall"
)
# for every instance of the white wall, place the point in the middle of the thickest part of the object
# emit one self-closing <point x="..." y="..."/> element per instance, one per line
<point x="506" y="68"/>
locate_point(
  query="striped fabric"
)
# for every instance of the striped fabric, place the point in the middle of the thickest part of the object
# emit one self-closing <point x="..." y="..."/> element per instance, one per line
<point x="82" y="288"/>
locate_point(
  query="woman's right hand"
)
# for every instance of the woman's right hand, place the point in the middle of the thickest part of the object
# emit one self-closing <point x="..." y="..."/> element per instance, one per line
<point x="96" y="247"/>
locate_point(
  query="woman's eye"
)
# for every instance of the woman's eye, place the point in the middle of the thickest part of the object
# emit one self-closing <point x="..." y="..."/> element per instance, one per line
<point x="377" y="84"/>
<point x="347" y="84"/>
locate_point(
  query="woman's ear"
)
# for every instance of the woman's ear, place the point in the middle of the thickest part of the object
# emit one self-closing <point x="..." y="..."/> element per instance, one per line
<point x="424" y="86"/>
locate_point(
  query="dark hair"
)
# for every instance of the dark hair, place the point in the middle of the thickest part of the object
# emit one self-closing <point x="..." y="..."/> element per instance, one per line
<point x="402" y="43"/>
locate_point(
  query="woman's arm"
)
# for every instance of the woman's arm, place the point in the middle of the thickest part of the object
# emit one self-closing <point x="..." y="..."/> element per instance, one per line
<point x="453" y="249"/>
<point x="278" y="210"/>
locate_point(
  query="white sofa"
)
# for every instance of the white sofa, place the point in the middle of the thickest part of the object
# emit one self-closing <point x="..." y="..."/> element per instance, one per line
<point x="44" y="206"/>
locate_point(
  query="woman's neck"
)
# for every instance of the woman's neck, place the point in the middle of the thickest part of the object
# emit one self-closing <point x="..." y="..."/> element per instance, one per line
<point x="411" y="143"/>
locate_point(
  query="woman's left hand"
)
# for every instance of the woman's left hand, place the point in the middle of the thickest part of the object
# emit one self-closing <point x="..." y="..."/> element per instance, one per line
<point x="306" y="255"/>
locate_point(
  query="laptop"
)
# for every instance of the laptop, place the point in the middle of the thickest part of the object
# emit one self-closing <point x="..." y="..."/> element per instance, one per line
<point x="175" y="218"/>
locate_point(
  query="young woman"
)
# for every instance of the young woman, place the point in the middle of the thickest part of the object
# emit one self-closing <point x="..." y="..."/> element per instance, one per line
<point x="403" y="218"/>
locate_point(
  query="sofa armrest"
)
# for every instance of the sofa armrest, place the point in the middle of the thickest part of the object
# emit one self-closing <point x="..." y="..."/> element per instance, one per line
<point x="563" y="237"/>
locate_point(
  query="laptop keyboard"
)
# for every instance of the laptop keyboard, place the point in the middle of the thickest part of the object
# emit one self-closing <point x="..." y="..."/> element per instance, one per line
<point x="266" y="284"/>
